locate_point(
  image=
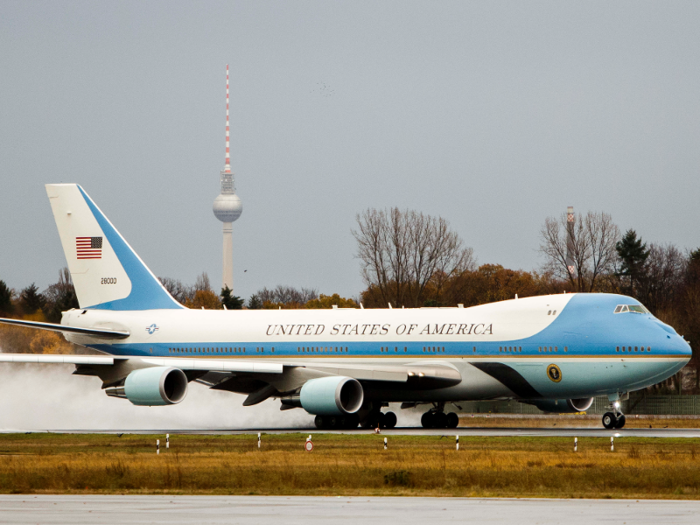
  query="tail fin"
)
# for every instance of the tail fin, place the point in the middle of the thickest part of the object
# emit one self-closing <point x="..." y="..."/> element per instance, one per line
<point x="106" y="271"/>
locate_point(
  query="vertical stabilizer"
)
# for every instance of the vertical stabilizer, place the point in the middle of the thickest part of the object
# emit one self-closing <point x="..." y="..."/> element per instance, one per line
<point x="106" y="272"/>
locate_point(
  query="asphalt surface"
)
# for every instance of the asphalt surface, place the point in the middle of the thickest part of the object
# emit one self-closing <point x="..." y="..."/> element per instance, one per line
<point x="463" y="431"/>
<point x="298" y="510"/>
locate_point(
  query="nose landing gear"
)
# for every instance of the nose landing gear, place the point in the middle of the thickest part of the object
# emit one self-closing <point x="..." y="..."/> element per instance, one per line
<point x="614" y="419"/>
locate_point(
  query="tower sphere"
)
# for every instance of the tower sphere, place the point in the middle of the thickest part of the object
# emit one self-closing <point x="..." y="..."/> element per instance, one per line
<point x="228" y="207"/>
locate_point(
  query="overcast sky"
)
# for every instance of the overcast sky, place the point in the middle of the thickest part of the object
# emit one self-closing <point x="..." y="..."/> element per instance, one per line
<point x="493" y="115"/>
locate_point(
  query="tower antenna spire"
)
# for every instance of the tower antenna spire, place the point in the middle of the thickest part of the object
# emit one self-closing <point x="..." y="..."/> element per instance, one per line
<point x="227" y="164"/>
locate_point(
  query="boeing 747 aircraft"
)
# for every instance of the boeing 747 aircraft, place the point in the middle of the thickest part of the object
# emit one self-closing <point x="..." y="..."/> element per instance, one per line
<point x="344" y="365"/>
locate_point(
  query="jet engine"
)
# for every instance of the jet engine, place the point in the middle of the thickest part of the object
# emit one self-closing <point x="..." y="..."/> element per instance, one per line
<point x="563" y="406"/>
<point x="330" y="396"/>
<point x="155" y="386"/>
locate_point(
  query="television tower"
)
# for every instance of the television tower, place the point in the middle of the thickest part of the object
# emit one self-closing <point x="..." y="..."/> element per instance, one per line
<point x="227" y="206"/>
<point x="570" y="236"/>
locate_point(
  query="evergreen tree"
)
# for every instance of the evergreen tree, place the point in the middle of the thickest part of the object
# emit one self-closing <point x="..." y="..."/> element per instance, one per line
<point x="31" y="300"/>
<point x="255" y="302"/>
<point x="231" y="302"/>
<point x="633" y="254"/>
<point x="5" y="299"/>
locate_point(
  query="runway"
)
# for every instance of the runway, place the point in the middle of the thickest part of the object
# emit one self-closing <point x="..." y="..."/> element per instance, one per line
<point x="301" y="510"/>
<point x="572" y="432"/>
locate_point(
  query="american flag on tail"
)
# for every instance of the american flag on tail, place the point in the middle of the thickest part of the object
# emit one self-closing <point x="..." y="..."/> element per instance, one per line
<point x="88" y="247"/>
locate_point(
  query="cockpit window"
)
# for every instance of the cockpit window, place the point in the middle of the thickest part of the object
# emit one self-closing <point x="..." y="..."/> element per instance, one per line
<point x="634" y="308"/>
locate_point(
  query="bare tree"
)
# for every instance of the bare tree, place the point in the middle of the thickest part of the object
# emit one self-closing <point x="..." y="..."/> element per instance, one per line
<point x="591" y="243"/>
<point x="286" y="295"/>
<point x="180" y="292"/>
<point x="60" y="297"/>
<point x="402" y="251"/>
<point x="202" y="284"/>
<point x="663" y="277"/>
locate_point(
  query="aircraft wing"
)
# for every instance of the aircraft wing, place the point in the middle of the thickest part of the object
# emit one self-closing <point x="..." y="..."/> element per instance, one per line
<point x="66" y="359"/>
<point x="361" y="372"/>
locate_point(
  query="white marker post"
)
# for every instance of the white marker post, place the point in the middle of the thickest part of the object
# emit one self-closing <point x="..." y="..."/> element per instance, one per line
<point x="309" y="445"/>
<point x="157" y="446"/>
<point x="457" y="440"/>
<point x="612" y="444"/>
<point x="576" y="444"/>
<point x="384" y="443"/>
<point x="258" y="440"/>
<point x="167" y="441"/>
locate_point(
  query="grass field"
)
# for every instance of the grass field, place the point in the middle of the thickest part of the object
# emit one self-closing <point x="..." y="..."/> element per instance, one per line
<point x="351" y="465"/>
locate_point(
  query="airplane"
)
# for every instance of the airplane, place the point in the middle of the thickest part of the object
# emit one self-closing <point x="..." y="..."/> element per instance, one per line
<point x="344" y="365"/>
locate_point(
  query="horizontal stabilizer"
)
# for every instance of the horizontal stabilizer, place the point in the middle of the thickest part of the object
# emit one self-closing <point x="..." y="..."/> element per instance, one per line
<point x="94" y="332"/>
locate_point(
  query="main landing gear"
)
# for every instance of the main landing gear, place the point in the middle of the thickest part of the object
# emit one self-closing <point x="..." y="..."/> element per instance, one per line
<point x="436" y="418"/>
<point x="337" y="422"/>
<point x="379" y="419"/>
<point x="614" y="419"/>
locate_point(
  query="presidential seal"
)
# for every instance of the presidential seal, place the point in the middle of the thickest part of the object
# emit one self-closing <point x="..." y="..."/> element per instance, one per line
<point x="554" y="373"/>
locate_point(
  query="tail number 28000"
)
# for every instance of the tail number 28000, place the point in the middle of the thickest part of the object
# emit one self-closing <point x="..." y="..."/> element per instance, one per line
<point x="108" y="280"/>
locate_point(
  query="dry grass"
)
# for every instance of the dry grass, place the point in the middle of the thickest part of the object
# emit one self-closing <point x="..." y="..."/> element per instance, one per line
<point x="351" y="465"/>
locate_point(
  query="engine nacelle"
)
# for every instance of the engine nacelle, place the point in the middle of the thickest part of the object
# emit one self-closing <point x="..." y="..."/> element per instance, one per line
<point x="563" y="406"/>
<point x="155" y="386"/>
<point x="331" y="396"/>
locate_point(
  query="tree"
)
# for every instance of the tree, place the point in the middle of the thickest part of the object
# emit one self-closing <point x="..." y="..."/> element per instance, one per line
<point x="591" y="243"/>
<point x="255" y="303"/>
<point x="328" y="301"/>
<point x="60" y="297"/>
<point x="281" y="297"/>
<point x="206" y="299"/>
<point x="661" y="279"/>
<point x="202" y="296"/>
<point x="402" y="251"/>
<point x="180" y="292"/>
<point x="31" y="300"/>
<point x="633" y="253"/>
<point x="6" y="306"/>
<point x="231" y="302"/>
<point x="489" y="283"/>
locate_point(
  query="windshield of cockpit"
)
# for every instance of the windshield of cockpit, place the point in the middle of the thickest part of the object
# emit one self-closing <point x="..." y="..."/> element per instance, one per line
<point x="634" y="308"/>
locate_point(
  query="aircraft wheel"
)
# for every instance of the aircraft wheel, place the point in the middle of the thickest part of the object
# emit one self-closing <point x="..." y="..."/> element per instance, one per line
<point x="440" y="420"/>
<point x="375" y="419"/>
<point x="620" y="421"/>
<point x="427" y="420"/>
<point x="390" y="420"/>
<point x="319" y="421"/>
<point x="452" y="420"/>
<point x="609" y="420"/>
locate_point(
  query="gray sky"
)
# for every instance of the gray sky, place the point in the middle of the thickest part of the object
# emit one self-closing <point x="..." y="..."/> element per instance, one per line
<point x="493" y="115"/>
